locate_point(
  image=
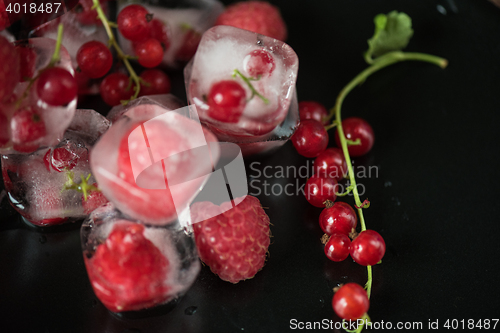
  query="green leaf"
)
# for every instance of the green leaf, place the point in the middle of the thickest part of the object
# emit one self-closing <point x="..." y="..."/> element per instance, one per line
<point x="392" y="33"/>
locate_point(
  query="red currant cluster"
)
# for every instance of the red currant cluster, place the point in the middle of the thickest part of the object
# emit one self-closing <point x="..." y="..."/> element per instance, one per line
<point x="338" y="220"/>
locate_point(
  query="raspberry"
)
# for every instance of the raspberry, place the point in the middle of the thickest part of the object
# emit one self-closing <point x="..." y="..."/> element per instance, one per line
<point x="234" y="243"/>
<point x="257" y="16"/>
<point x="128" y="272"/>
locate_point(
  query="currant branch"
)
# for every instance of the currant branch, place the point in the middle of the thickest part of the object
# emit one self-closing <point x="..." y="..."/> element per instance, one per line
<point x="134" y="78"/>
<point x="376" y="65"/>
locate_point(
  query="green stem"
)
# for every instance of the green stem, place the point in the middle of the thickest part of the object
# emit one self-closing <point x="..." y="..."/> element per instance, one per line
<point x="56" y="56"/>
<point x="124" y="57"/>
<point x="379" y="63"/>
<point x="250" y="85"/>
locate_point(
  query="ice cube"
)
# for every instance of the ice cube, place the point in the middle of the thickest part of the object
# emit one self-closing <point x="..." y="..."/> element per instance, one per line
<point x="133" y="266"/>
<point x="75" y="34"/>
<point x="55" y="118"/>
<point x="181" y="22"/>
<point x="154" y="159"/>
<point x="36" y="182"/>
<point x="265" y="68"/>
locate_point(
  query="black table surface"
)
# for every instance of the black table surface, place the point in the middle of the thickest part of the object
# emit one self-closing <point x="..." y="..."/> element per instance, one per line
<point x="433" y="195"/>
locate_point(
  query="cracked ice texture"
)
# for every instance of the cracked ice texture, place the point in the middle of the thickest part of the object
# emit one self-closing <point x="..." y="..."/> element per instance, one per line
<point x="262" y="126"/>
<point x="154" y="159"/>
<point x="35" y="188"/>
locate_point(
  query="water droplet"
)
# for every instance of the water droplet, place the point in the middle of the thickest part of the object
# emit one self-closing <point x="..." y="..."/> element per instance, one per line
<point x="42" y="239"/>
<point x="441" y="9"/>
<point x="190" y="310"/>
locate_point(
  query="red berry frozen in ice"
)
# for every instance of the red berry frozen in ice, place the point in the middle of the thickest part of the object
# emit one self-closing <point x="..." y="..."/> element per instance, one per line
<point x="357" y="129"/>
<point x="226" y="101"/>
<point x="63" y="158"/>
<point x="319" y="189"/>
<point x="368" y="248"/>
<point x="10" y="71"/>
<point x="133" y="22"/>
<point x="331" y="163"/>
<point x="158" y="81"/>
<point x="27" y="59"/>
<point x="115" y="88"/>
<point x="86" y="15"/>
<point x="350" y="302"/>
<point x="257" y="16"/>
<point x="94" y="59"/>
<point x="27" y="126"/>
<point x="310" y="138"/>
<point x="128" y="272"/>
<point x="337" y="247"/>
<point x="189" y="45"/>
<point x="56" y="86"/>
<point x="47" y="205"/>
<point x="94" y="200"/>
<point x="149" y="52"/>
<point x="259" y="63"/>
<point x="313" y="110"/>
<point x="340" y="218"/>
<point x="235" y="242"/>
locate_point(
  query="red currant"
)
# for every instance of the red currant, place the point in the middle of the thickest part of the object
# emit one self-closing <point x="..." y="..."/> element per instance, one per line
<point x="159" y="32"/>
<point x="159" y="83"/>
<point x="56" y="86"/>
<point x="27" y="126"/>
<point x="149" y="52"/>
<point x="350" y="302"/>
<point x="354" y="129"/>
<point x="226" y="101"/>
<point x="189" y="45"/>
<point x="337" y="247"/>
<point x="113" y="89"/>
<point x="331" y="163"/>
<point x="94" y="59"/>
<point x="259" y="63"/>
<point x="368" y="248"/>
<point x="340" y="218"/>
<point x="310" y="138"/>
<point x="313" y="110"/>
<point x="27" y="58"/>
<point x="133" y="22"/>
<point x="64" y="157"/>
<point x="319" y="189"/>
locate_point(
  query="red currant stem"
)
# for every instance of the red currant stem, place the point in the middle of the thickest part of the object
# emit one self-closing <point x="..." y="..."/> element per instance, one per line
<point x="124" y="57"/>
<point x="56" y="56"/>
<point x="250" y="85"/>
<point x="381" y="62"/>
<point x="347" y="191"/>
<point x="332" y="125"/>
<point x="83" y="187"/>
<point x="353" y="143"/>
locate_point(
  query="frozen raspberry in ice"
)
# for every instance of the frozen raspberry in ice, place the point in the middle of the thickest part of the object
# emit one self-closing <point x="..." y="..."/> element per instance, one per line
<point x="154" y="159"/>
<point x="132" y="266"/>
<point x="177" y="25"/>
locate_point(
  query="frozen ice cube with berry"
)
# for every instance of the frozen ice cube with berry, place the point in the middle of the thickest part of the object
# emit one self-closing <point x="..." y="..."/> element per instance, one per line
<point x="178" y="25"/>
<point x="154" y="159"/>
<point x="242" y="83"/>
<point x="41" y="106"/>
<point x="80" y="25"/>
<point x="54" y="185"/>
<point x="132" y="266"/>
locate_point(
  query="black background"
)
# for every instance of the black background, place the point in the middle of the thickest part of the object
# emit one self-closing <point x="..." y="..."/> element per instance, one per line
<point x="434" y="200"/>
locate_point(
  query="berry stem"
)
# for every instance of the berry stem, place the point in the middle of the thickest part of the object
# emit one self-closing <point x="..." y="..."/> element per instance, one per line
<point x="250" y="85"/>
<point x="124" y="57"/>
<point x="57" y="54"/>
<point x="376" y="65"/>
